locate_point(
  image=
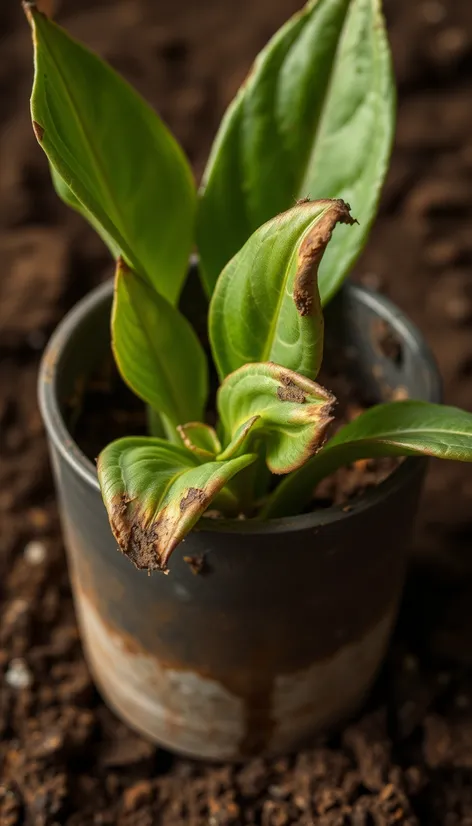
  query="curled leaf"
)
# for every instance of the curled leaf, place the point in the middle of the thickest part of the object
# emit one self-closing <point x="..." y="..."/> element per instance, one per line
<point x="201" y="439"/>
<point x="408" y="428"/>
<point x="155" y="492"/>
<point x="287" y="413"/>
<point x="266" y="305"/>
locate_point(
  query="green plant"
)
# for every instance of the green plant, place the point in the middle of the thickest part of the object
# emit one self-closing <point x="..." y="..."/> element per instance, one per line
<point x="314" y="118"/>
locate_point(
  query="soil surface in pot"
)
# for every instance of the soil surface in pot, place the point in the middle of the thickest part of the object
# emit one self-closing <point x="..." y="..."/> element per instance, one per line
<point x="407" y="757"/>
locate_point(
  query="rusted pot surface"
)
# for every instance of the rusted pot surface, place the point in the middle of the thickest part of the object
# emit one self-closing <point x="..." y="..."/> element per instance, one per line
<point x="282" y="633"/>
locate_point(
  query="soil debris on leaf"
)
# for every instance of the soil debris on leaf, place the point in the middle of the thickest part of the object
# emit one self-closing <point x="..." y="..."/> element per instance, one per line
<point x="289" y="392"/>
<point x="193" y="495"/>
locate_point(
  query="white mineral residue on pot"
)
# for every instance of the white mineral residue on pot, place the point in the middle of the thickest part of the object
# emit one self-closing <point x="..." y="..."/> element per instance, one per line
<point x="319" y="695"/>
<point x="180" y="709"/>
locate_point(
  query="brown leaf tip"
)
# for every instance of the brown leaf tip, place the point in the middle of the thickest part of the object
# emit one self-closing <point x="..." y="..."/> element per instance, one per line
<point x="41" y="7"/>
<point x="193" y="495"/>
<point x="29" y="8"/>
<point x="38" y="131"/>
<point x="311" y="252"/>
<point x="289" y="392"/>
<point x="137" y="540"/>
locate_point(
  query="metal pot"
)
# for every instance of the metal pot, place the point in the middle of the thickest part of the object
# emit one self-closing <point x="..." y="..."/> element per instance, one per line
<point x="283" y="632"/>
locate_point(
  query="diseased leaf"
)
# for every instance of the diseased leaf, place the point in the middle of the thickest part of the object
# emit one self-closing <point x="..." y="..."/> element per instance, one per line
<point x="314" y="118"/>
<point x="408" y="428"/>
<point x="155" y="492"/>
<point x="201" y="439"/>
<point x="114" y="154"/>
<point x="157" y="351"/>
<point x="287" y="413"/>
<point x="266" y="304"/>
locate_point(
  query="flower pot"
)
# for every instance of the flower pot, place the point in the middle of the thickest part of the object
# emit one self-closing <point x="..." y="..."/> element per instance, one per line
<point x="283" y="632"/>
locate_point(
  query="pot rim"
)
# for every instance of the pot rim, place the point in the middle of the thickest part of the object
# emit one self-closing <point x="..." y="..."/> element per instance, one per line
<point x="77" y="460"/>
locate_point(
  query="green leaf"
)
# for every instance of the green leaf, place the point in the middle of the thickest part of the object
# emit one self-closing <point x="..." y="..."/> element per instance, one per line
<point x="157" y="351"/>
<point x="408" y="428"/>
<point x="155" y="492"/>
<point x="201" y="439"/>
<point x="119" y="161"/>
<point x="266" y="305"/>
<point x="314" y="118"/>
<point x="66" y="194"/>
<point x="284" y="411"/>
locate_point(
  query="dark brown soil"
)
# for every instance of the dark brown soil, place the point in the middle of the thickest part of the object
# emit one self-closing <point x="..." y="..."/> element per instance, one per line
<point x="407" y="758"/>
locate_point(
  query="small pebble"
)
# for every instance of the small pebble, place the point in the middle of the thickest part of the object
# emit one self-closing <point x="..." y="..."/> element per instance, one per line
<point x="18" y="674"/>
<point x="35" y="552"/>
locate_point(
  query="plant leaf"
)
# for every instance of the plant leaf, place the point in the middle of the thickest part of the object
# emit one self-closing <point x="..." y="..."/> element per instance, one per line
<point x="266" y="304"/>
<point x="155" y="492"/>
<point x="201" y="439"/>
<point x="408" y="428"/>
<point x="288" y="413"/>
<point x="66" y="195"/>
<point x="314" y="118"/>
<point x="156" y="350"/>
<point x="115" y="155"/>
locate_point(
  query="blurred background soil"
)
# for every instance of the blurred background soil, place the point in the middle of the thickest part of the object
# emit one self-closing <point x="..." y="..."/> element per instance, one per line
<point x="407" y="758"/>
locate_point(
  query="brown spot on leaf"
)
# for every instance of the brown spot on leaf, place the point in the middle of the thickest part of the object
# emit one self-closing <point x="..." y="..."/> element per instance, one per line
<point x="305" y="293"/>
<point x="38" y="131"/>
<point x="137" y="540"/>
<point x="193" y="495"/>
<point x="122" y="266"/>
<point x="196" y="563"/>
<point x="289" y="392"/>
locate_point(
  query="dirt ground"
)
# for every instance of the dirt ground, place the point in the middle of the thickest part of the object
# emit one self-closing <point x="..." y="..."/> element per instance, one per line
<point x="407" y="758"/>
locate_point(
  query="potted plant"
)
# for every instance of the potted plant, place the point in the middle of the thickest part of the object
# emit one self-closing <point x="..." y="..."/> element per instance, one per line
<point x="276" y="614"/>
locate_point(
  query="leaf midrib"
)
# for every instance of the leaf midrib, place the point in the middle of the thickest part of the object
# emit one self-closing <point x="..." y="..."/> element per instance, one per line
<point x="312" y="150"/>
<point x="395" y="436"/>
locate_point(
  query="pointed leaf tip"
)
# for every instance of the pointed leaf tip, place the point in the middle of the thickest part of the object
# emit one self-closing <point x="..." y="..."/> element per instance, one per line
<point x="45" y="7"/>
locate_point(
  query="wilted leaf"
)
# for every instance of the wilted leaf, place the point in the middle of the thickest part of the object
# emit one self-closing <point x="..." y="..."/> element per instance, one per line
<point x="314" y="118"/>
<point x="266" y="304"/>
<point x="285" y="412"/>
<point x="155" y="492"/>
<point x="409" y="428"/>
<point x="114" y="154"/>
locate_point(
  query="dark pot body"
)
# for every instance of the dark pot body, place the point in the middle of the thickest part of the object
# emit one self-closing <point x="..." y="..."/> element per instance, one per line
<point x="283" y="631"/>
